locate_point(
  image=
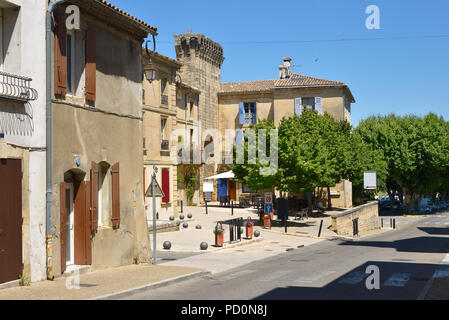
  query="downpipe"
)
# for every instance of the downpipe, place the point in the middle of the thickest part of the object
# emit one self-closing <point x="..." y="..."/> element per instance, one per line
<point x="49" y="193"/>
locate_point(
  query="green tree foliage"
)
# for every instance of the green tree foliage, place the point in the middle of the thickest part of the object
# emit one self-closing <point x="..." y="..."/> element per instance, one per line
<point x="416" y="150"/>
<point x="250" y="174"/>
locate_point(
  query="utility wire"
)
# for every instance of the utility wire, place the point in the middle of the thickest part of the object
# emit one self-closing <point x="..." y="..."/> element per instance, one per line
<point x="441" y="36"/>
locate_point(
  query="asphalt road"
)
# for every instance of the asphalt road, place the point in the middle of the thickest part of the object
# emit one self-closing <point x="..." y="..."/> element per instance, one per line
<point x="407" y="259"/>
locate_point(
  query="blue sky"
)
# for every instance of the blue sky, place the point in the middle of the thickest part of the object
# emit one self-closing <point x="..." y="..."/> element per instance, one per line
<point x="401" y="76"/>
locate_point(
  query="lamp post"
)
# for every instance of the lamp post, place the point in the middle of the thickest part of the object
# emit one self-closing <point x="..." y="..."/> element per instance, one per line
<point x="150" y="71"/>
<point x="153" y="186"/>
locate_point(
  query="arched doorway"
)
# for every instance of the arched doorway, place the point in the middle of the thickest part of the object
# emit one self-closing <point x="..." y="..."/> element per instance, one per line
<point x="76" y="246"/>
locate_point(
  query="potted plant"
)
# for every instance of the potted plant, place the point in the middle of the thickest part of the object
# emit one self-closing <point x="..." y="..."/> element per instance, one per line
<point x="267" y="221"/>
<point x="219" y="235"/>
<point x="249" y="228"/>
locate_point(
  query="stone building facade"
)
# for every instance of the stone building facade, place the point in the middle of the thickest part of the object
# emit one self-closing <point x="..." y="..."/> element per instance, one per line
<point x="201" y="60"/>
<point x="244" y="103"/>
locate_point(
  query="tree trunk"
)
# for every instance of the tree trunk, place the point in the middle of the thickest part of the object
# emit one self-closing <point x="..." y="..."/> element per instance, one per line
<point x="309" y="200"/>
<point x="329" y="198"/>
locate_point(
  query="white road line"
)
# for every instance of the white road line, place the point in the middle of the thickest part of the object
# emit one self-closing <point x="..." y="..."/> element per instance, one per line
<point x="275" y="275"/>
<point x="441" y="272"/>
<point x="398" y="280"/>
<point x="445" y="260"/>
<point x="313" y="277"/>
<point x="353" y="278"/>
<point x="237" y="275"/>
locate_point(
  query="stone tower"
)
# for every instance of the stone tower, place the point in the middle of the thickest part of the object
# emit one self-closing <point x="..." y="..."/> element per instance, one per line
<point x="202" y="59"/>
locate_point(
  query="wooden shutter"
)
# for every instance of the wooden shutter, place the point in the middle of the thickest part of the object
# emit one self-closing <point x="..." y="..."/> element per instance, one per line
<point x="88" y="221"/>
<point x="318" y="105"/>
<point x="241" y="113"/>
<point x="255" y="113"/>
<point x="91" y="65"/>
<point x="60" y="56"/>
<point x="166" y="185"/>
<point x="63" y="231"/>
<point x="94" y="196"/>
<point x="115" y="195"/>
<point x="298" y="106"/>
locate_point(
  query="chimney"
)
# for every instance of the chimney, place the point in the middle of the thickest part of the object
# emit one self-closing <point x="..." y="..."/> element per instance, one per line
<point x="285" y="70"/>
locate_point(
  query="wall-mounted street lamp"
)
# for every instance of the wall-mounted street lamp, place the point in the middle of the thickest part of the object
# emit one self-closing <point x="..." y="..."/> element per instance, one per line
<point x="150" y="70"/>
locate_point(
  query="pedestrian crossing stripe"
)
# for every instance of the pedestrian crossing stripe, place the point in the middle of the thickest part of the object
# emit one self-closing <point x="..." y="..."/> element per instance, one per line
<point x="354" y="278"/>
<point x="398" y="280"/>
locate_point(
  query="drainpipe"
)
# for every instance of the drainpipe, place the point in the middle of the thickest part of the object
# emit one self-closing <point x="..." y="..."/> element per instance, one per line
<point x="49" y="238"/>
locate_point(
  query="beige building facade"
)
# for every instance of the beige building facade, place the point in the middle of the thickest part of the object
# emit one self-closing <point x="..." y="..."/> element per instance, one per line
<point x="98" y="217"/>
<point x="244" y="103"/>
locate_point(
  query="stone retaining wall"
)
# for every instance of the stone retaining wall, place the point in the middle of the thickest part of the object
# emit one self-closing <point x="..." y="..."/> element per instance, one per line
<point x="368" y="215"/>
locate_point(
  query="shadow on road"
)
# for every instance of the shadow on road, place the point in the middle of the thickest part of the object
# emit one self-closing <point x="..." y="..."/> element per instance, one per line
<point x="398" y="281"/>
<point x="438" y="231"/>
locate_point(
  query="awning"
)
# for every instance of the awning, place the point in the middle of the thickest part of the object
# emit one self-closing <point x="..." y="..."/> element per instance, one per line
<point x="226" y="175"/>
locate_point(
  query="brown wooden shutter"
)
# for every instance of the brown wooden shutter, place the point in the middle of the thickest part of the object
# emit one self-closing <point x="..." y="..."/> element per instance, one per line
<point x="63" y="231"/>
<point x="88" y="220"/>
<point x="115" y="195"/>
<point x="91" y="65"/>
<point x="94" y="195"/>
<point x="60" y="57"/>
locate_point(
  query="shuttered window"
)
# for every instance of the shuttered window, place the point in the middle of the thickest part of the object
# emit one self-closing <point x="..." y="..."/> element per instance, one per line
<point x="166" y="185"/>
<point x="298" y="106"/>
<point x="91" y="65"/>
<point x="60" y="56"/>
<point x="94" y="195"/>
<point x="115" y="196"/>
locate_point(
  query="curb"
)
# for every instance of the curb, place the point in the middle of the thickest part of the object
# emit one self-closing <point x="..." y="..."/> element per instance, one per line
<point x="160" y="284"/>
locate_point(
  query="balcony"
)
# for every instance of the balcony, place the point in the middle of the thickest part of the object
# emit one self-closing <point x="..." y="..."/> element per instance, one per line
<point x="16" y="88"/>
<point x="164" y="100"/>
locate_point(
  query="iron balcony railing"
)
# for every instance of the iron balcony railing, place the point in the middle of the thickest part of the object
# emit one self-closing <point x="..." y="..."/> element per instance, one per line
<point x="16" y="87"/>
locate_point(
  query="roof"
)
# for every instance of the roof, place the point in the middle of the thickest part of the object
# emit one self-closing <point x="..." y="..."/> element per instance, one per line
<point x="295" y="81"/>
<point x="143" y="24"/>
<point x="160" y="57"/>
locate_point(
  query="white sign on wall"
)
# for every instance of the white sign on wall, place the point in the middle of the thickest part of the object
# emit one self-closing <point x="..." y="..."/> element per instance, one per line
<point x="370" y="180"/>
<point x="208" y="187"/>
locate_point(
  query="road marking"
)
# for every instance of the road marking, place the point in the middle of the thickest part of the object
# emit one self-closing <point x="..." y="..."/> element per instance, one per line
<point x="441" y="272"/>
<point x="398" y="280"/>
<point x="237" y="275"/>
<point x="275" y="275"/>
<point x="353" y="278"/>
<point x="446" y="259"/>
<point x="314" y="277"/>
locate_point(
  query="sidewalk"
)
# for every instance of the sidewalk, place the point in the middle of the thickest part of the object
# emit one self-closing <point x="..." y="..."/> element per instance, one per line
<point x="100" y="283"/>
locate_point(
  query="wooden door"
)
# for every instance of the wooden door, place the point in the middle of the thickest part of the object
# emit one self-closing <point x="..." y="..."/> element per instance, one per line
<point x="10" y="220"/>
<point x="232" y="190"/>
<point x="82" y="225"/>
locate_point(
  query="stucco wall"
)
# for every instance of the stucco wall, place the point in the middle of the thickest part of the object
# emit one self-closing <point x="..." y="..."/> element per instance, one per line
<point x="368" y="215"/>
<point x="99" y="137"/>
<point x="24" y="124"/>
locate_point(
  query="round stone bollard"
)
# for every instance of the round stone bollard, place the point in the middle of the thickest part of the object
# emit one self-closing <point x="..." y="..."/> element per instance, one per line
<point x="189" y="216"/>
<point x="185" y="225"/>
<point x="204" y="246"/>
<point x="198" y="227"/>
<point x="257" y="233"/>
<point x="172" y="218"/>
<point x="182" y="217"/>
<point x="167" y="245"/>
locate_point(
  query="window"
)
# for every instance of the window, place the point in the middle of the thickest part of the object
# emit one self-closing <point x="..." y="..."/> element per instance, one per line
<point x="163" y="127"/>
<point x="245" y="189"/>
<point x="166" y="185"/>
<point x="250" y="114"/>
<point x="191" y="110"/>
<point x="71" y="40"/>
<point x="308" y="103"/>
<point x="104" y="207"/>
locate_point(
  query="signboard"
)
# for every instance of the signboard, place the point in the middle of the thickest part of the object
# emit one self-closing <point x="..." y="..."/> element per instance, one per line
<point x="208" y="196"/>
<point x="159" y="192"/>
<point x="268" y="208"/>
<point x="208" y="187"/>
<point x="268" y="197"/>
<point x="370" y="180"/>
